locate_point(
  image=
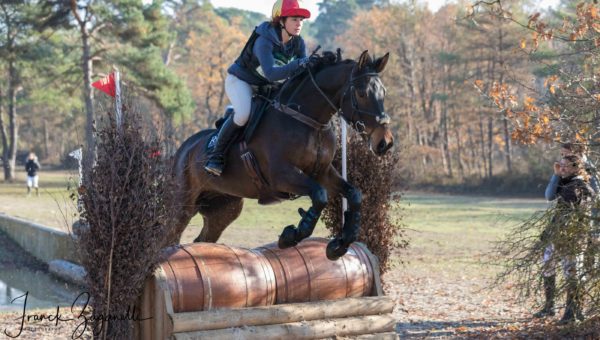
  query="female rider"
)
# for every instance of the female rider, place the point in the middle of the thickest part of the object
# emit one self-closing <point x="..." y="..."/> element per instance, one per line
<point x="273" y="52"/>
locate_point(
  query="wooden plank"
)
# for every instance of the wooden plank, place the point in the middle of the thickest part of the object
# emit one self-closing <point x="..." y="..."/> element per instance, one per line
<point x="278" y="314"/>
<point x="378" y="336"/>
<point x="315" y="329"/>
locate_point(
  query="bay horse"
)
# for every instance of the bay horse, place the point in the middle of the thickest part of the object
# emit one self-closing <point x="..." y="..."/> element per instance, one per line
<point x="293" y="146"/>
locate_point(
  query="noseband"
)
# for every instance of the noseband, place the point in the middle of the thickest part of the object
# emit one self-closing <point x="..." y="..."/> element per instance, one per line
<point x="357" y="124"/>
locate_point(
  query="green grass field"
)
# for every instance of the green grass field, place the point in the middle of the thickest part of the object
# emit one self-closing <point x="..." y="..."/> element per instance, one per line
<point x="453" y="226"/>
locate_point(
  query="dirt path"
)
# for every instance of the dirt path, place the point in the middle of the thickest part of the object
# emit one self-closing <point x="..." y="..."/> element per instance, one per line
<point x="442" y="303"/>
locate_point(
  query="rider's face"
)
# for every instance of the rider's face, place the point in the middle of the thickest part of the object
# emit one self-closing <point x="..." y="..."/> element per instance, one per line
<point x="293" y="25"/>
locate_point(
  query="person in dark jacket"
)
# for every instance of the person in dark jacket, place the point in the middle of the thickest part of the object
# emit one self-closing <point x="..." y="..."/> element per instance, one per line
<point x="273" y="53"/>
<point x="570" y="188"/>
<point x="32" y="167"/>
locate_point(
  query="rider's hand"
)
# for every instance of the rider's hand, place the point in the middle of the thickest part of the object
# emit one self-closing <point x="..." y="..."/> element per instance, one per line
<point x="557" y="169"/>
<point x="309" y="62"/>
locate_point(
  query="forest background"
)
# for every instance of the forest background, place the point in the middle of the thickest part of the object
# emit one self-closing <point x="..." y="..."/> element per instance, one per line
<point x="450" y="76"/>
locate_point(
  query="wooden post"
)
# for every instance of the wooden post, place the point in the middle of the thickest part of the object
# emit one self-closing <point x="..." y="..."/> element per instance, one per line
<point x="280" y="314"/>
<point x="315" y="329"/>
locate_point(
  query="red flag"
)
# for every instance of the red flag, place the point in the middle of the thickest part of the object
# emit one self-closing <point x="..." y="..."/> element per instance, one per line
<point x="106" y="85"/>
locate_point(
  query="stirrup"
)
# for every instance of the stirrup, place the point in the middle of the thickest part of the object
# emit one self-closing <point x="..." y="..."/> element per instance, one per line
<point x="214" y="167"/>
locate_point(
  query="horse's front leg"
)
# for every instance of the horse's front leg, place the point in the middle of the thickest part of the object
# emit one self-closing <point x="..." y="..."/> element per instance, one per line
<point x="337" y="247"/>
<point x="298" y="183"/>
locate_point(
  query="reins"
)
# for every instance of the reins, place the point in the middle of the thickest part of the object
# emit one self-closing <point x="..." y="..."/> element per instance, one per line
<point x="357" y="124"/>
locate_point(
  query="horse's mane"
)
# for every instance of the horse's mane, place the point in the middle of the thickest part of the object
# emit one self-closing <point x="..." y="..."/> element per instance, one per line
<point x="325" y="60"/>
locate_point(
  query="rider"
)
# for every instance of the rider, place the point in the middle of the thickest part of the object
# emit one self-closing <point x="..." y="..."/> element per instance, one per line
<point x="273" y="52"/>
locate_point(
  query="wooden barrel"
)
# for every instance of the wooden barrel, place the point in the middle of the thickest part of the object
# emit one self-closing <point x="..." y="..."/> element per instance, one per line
<point x="205" y="276"/>
<point x="304" y="274"/>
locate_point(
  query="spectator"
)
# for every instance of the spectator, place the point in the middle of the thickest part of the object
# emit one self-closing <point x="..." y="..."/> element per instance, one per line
<point x="32" y="167"/>
<point x="570" y="188"/>
<point x="593" y="244"/>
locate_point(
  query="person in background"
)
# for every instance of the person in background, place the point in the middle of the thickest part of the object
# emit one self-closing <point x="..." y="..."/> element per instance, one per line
<point x="32" y="167"/>
<point x="570" y="188"/>
<point x="593" y="243"/>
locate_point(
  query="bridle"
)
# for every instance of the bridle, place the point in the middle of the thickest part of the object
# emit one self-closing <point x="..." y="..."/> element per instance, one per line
<point x="357" y="124"/>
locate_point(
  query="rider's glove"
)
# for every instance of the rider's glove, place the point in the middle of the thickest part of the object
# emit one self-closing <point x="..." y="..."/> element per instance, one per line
<point x="309" y="62"/>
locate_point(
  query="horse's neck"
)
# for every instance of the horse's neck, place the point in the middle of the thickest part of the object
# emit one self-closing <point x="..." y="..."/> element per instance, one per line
<point x="314" y="104"/>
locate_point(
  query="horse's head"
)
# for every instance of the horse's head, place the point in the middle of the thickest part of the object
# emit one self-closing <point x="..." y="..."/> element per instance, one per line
<point x="362" y="103"/>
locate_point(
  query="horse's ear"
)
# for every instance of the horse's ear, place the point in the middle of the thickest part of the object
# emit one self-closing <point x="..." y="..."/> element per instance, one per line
<point x="364" y="60"/>
<point x="381" y="62"/>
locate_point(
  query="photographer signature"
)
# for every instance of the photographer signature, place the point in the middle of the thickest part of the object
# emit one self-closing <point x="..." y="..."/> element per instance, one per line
<point x="85" y="317"/>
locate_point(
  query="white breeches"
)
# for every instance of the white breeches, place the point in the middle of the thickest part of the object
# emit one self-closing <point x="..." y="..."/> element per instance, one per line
<point x="32" y="181"/>
<point x="240" y="96"/>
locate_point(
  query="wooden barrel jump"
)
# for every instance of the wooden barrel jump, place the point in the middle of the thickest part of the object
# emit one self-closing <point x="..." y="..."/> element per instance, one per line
<point x="205" y="276"/>
<point x="303" y="273"/>
<point x="207" y="290"/>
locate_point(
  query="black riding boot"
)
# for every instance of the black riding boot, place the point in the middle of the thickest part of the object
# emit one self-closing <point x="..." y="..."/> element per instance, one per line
<point x="549" y="292"/>
<point x="216" y="159"/>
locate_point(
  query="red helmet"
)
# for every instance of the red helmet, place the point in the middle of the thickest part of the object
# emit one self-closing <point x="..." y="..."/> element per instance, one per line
<point x="288" y="8"/>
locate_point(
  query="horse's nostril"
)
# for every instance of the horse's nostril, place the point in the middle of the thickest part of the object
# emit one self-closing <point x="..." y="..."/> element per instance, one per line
<point x="383" y="147"/>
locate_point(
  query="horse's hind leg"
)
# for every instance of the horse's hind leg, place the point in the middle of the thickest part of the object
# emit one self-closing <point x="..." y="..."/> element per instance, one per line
<point x="218" y="213"/>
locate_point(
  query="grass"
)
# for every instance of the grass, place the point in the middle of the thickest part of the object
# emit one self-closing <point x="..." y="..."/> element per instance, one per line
<point x="439" y="225"/>
<point x="456" y="233"/>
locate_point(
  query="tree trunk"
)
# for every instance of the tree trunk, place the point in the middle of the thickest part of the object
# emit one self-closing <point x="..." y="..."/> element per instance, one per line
<point x="475" y="161"/>
<point x="461" y="167"/>
<point x="13" y="133"/>
<point x="490" y="146"/>
<point x="446" y="156"/>
<point x="482" y="144"/>
<point x="168" y="56"/>
<point x="5" y="153"/>
<point x="86" y="63"/>
<point x="46" y="138"/>
<point x="507" y="145"/>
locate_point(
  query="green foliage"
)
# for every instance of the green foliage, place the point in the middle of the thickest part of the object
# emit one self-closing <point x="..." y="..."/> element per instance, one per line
<point x="145" y="70"/>
<point x="132" y="36"/>
<point x="246" y="20"/>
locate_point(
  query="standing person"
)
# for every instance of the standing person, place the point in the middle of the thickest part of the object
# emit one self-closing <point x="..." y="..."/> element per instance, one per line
<point x="571" y="191"/>
<point x="593" y="242"/>
<point x="32" y="167"/>
<point x="273" y="53"/>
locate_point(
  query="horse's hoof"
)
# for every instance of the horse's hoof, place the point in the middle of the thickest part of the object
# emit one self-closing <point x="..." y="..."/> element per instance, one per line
<point x="302" y="212"/>
<point x="288" y="237"/>
<point x="335" y="249"/>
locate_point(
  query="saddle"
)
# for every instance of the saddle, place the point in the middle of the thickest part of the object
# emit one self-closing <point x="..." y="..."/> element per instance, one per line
<point x="260" y="102"/>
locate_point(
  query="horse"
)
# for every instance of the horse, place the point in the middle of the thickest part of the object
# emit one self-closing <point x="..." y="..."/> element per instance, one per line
<point x="293" y="145"/>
